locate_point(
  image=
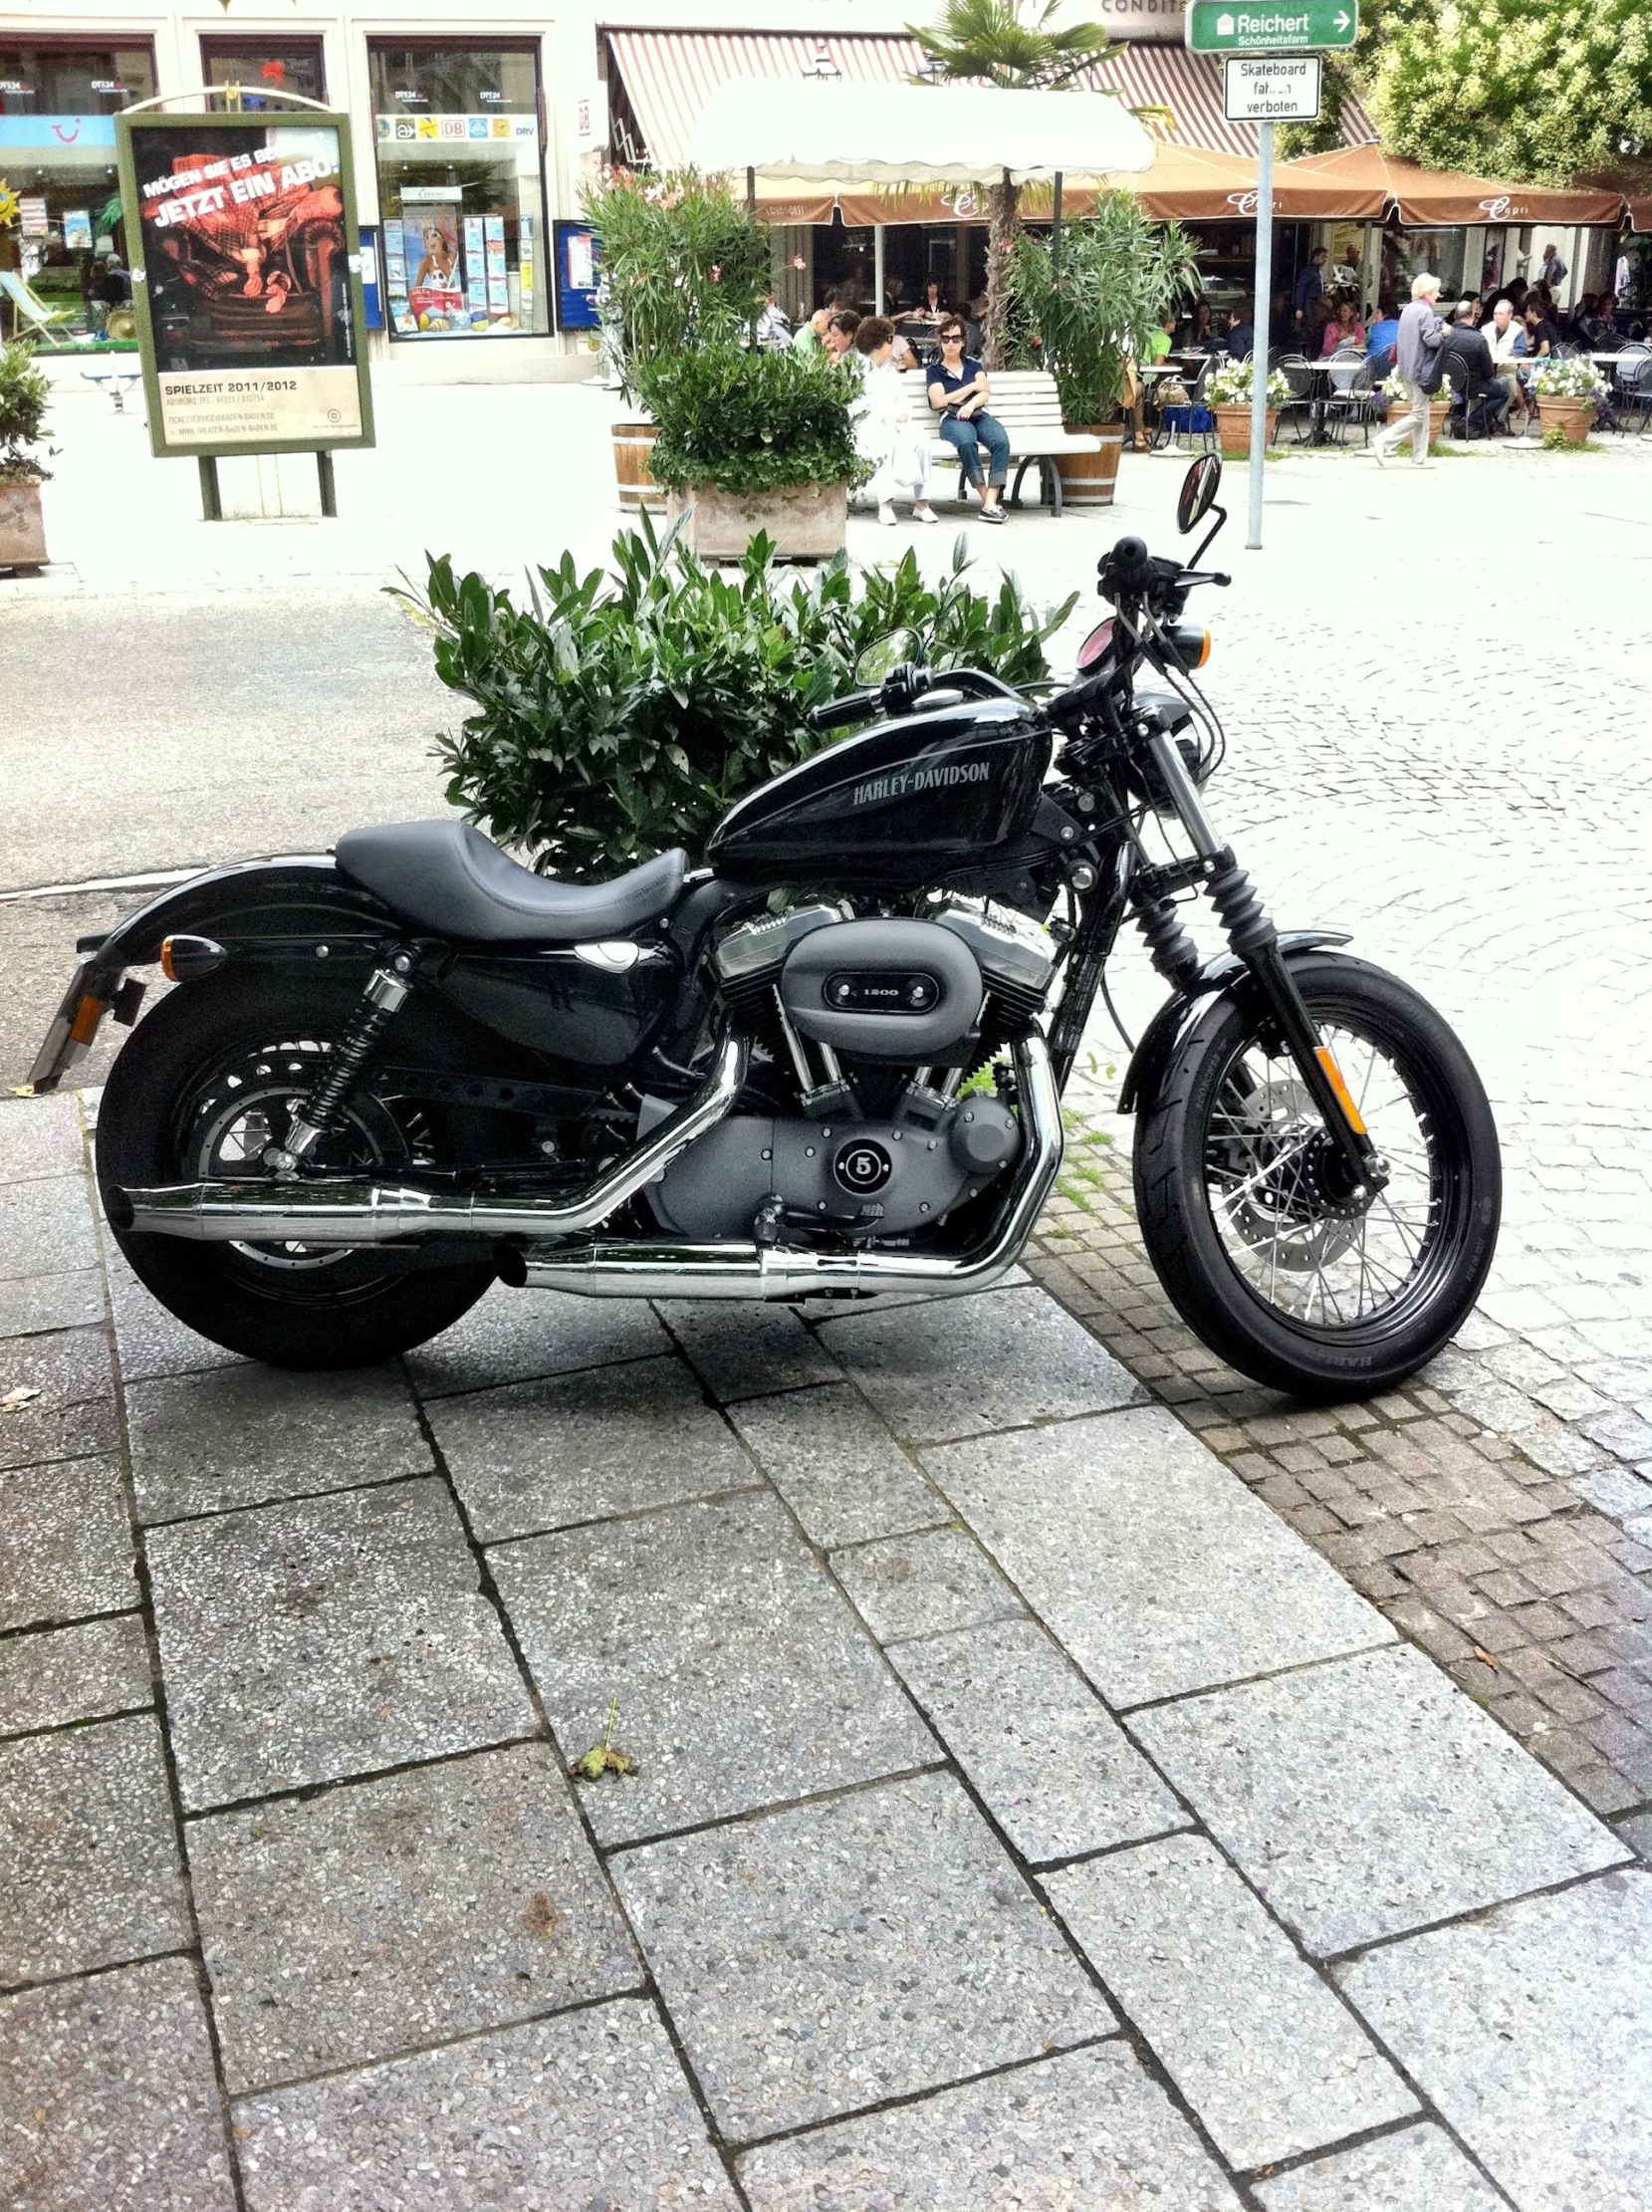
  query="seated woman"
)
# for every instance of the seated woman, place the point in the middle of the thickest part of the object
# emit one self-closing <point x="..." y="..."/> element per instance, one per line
<point x="1203" y="339"/>
<point x="959" y="391"/>
<point x="932" y="304"/>
<point x="1347" y="330"/>
<point x="884" y="431"/>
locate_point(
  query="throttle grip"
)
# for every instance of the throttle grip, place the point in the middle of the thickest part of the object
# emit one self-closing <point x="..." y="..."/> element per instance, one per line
<point x="836" y="714"/>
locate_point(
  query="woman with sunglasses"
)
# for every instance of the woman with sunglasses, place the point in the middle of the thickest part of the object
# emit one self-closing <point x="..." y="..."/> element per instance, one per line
<point x="959" y="392"/>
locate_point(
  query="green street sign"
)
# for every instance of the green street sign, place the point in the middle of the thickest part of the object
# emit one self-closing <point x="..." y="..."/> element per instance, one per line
<point x="1225" y="27"/>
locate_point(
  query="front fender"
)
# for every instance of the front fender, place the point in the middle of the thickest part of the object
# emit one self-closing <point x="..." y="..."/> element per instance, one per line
<point x="1163" y="1033"/>
<point x="304" y="899"/>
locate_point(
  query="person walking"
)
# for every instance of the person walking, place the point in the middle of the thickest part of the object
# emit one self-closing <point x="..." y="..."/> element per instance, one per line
<point x="1416" y="372"/>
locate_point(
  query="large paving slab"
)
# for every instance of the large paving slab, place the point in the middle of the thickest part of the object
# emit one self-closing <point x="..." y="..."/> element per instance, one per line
<point x="1269" y="2059"/>
<point x="747" y="1352"/>
<point x="588" y="2113"/>
<point x="150" y="1341"/>
<point x="955" y="1366"/>
<point x="1084" y="2131"/>
<point x="742" y="1678"/>
<point x="325" y="1638"/>
<point x="834" y="1955"/>
<point x="38" y="1137"/>
<point x="45" y="1227"/>
<point x="1530" y="2030"/>
<point x="580" y="1447"/>
<point x="248" y="1435"/>
<point x="1419" y="2169"/>
<point x="1370" y="1796"/>
<point x="58" y="1676"/>
<point x="71" y="1411"/>
<point x="517" y="1336"/>
<point x="88" y="1851"/>
<point x="30" y="1304"/>
<point x="65" y="1542"/>
<point x="915" y="1585"/>
<point x="1051" y="1765"/>
<point x="837" y="1465"/>
<point x="406" y="1910"/>
<point x="1153" y="1564"/>
<point x="108" y="2099"/>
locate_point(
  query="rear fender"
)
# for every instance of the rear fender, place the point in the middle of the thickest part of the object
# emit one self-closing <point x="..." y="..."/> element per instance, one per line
<point x="1164" y="1031"/>
<point x="283" y="909"/>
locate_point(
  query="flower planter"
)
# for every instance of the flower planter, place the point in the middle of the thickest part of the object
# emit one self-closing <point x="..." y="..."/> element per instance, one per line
<point x="1233" y="427"/>
<point x="22" y="528"/>
<point x="633" y="441"/>
<point x="1574" y="418"/>
<point x="808" y="522"/>
<point x="1087" y="479"/>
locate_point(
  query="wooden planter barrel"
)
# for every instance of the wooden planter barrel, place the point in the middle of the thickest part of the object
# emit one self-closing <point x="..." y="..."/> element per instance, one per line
<point x="807" y="522"/>
<point x="1233" y="427"/>
<point x="22" y="528"/>
<point x="632" y="443"/>
<point x="1088" y="479"/>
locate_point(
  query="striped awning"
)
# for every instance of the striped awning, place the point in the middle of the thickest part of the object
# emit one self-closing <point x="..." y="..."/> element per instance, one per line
<point x="668" y="76"/>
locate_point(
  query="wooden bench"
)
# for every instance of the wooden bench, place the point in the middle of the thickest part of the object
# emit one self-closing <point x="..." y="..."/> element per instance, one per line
<point x="1029" y="405"/>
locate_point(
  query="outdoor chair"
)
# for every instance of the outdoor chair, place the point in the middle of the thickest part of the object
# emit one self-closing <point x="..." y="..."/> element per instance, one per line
<point x="29" y="307"/>
<point x="1629" y="402"/>
<point x="1298" y="373"/>
<point x="1194" y="419"/>
<point x="1353" y="395"/>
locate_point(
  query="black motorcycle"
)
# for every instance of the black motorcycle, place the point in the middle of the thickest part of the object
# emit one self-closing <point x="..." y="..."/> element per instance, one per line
<point x="829" y="1062"/>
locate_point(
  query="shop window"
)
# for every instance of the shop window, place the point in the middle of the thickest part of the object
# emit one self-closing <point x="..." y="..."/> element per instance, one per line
<point x="261" y="66"/>
<point x="63" y="260"/>
<point x="460" y="197"/>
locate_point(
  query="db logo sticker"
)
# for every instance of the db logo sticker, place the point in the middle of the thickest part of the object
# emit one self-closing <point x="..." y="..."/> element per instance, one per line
<point x="861" y="1166"/>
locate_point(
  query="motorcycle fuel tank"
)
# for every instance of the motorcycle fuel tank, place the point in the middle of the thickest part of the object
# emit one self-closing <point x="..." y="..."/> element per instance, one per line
<point x="901" y="799"/>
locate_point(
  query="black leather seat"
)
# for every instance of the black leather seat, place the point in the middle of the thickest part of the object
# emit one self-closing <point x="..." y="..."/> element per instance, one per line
<point x="445" y="877"/>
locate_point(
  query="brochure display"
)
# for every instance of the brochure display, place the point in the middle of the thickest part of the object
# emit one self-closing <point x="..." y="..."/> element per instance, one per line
<point x="246" y="280"/>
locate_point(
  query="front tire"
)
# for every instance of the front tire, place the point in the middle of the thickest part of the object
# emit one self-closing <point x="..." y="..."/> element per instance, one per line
<point x="199" y="1087"/>
<point x="1238" y="1198"/>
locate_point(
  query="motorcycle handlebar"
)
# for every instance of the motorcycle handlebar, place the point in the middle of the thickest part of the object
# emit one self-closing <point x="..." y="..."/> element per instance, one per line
<point x="837" y="714"/>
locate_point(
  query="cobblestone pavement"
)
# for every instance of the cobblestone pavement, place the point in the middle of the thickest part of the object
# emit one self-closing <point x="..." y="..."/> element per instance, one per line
<point x="1021" y="1814"/>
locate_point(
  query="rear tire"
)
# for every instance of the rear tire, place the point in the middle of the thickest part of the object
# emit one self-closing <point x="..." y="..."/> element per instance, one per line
<point x="1268" y="1271"/>
<point x="189" y="1068"/>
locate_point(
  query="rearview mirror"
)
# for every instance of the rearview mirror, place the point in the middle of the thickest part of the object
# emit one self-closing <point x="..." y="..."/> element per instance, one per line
<point x="880" y="660"/>
<point x="1199" y="489"/>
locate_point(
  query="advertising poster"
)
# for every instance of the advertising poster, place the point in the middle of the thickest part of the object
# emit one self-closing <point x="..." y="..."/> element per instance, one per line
<point x="499" y="288"/>
<point x="526" y="312"/>
<point x="249" y="310"/>
<point x="476" y="273"/>
<point x="435" y="274"/>
<point x="76" y="230"/>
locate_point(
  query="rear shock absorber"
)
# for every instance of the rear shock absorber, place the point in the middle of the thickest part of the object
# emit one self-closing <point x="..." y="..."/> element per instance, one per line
<point x="324" y="1110"/>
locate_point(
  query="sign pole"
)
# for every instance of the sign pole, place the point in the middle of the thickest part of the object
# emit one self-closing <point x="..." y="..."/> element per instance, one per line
<point x="1262" y="315"/>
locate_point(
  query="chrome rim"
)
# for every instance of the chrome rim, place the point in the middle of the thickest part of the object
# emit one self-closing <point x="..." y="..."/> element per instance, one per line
<point x="1272" y="1181"/>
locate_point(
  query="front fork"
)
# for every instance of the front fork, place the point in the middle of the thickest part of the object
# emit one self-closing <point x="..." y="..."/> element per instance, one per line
<point x="1256" y="941"/>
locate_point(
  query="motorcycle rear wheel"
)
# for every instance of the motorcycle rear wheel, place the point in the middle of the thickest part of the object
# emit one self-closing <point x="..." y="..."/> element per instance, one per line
<point x="204" y="1083"/>
<point x="1238" y="1197"/>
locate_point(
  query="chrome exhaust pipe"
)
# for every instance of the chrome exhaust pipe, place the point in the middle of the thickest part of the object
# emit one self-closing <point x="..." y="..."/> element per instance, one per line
<point x="380" y="1213"/>
<point x="750" y="1271"/>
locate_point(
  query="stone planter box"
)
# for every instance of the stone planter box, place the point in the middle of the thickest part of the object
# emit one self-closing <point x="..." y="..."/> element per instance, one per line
<point x="1574" y="418"/>
<point x="1233" y="427"/>
<point x="22" y="527"/>
<point x="1088" y="479"/>
<point x="807" y="522"/>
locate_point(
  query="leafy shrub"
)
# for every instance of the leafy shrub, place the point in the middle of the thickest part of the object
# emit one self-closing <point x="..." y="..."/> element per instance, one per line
<point x="752" y="422"/>
<point x="1119" y="271"/>
<point x="24" y="396"/>
<point x="625" y="711"/>
<point x="682" y="261"/>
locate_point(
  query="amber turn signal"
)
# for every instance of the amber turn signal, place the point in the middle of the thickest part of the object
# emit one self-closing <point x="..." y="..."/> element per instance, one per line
<point x="187" y="960"/>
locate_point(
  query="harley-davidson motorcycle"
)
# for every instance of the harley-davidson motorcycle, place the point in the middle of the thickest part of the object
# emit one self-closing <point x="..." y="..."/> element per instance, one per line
<point x="826" y="1063"/>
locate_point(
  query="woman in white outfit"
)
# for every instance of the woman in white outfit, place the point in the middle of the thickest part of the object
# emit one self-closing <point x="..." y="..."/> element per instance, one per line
<point x="884" y="429"/>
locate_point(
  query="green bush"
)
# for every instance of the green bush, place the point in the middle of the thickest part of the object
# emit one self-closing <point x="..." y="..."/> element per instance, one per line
<point x="24" y="396"/>
<point x="683" y="261"/>
<point x="752" y="422"/>
<point x="623" y="712"/>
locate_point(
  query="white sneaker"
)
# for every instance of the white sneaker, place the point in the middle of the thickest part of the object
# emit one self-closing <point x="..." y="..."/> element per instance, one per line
<point x="886" y="516"/>
<point x="925" y="513"/>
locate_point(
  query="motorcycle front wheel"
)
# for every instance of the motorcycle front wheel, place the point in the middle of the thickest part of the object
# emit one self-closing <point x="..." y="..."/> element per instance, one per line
<point x="1243" y="1203"/>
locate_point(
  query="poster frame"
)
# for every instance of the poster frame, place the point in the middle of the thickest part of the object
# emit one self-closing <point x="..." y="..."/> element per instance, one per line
<point x="130" y="129"/>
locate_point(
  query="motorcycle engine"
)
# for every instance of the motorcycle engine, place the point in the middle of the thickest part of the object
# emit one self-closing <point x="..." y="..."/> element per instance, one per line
<point x="878" y="1018"/>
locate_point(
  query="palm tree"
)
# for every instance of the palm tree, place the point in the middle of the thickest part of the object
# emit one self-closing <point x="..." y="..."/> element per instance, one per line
<point x="993" y="42"/>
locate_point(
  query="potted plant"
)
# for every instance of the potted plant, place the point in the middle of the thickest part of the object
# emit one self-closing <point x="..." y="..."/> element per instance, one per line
<point x="682" y="262"/>
<point x="752" y="444"/>
<point x="1567" y="393"/>
<point x="1228" y="394"/>
<point x="1085" y="319"/>
<point x="624" y="710"/>
<point x="24" y="398"/>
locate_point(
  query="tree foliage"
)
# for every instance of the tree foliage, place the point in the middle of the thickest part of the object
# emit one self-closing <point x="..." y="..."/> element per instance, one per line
<point x="1119" y="272"/>
<point x="683" y="261"/>
<point x="1534" y="91"/>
